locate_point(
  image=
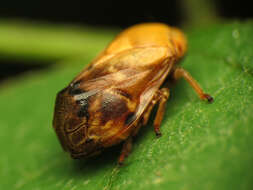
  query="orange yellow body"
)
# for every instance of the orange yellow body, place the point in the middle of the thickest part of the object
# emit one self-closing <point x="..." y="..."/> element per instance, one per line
<point x="112" y="98"/>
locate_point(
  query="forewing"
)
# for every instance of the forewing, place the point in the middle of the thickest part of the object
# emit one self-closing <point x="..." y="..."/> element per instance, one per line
<point x="130" y="78"/>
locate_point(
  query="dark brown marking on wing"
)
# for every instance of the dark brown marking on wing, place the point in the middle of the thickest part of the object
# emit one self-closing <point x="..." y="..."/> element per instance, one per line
<point x="112" y="107"/>
<point x="130" y="118"/>
<point x="123" y="93"/>
<point x="84" y="106"/>
<point x="74" y="88"/>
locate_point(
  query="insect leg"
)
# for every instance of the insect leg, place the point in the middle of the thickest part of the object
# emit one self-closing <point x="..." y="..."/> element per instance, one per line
<point x="180" y="72"/>
<point x="163" y="97"/>
<point x="148" y="110"/>
<point x="126" y="149"/>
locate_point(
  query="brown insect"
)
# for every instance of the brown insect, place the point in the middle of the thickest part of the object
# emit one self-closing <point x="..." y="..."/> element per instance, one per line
<point x="110" y="100"/>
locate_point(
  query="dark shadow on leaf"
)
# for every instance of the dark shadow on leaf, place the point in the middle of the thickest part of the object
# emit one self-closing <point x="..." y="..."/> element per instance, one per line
<point x="108" y="157"/>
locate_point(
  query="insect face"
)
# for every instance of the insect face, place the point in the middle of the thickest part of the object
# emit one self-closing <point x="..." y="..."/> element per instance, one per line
<point x="72" y="127"/>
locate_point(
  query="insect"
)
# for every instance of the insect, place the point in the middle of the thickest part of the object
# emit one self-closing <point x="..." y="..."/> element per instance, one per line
<point x="108" y="102"/>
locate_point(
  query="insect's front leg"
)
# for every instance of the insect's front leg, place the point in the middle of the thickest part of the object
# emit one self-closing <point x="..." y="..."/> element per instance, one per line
<point x="126" y="149"/>
<point x="180" y="72"/>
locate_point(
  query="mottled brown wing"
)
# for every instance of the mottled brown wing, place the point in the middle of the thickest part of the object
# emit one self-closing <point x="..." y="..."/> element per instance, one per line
<point x="135" y="75"/>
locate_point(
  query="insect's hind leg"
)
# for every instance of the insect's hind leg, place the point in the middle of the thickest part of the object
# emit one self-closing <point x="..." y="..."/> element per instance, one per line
<point x="150" y="107"/>
<point x="180" y="72"/>
<point x="161" y="98"/>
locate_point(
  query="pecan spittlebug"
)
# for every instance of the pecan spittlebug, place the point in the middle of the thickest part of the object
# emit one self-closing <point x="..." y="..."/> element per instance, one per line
<point x="112" y="98"/>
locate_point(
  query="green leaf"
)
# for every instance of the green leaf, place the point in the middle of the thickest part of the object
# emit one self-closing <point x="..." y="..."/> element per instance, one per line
<point x="204" y="146"/>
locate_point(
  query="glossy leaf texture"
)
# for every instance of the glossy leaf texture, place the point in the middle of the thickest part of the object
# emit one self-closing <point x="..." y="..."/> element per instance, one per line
<point x="203" y="146"/>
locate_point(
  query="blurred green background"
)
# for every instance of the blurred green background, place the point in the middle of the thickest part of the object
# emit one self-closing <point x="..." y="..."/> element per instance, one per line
<point x="43" y="45"/>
